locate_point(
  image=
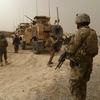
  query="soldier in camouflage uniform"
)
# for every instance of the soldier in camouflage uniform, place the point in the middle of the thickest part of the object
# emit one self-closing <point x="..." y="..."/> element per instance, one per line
<point x="55" y="41"/>
<point x="83" y="47"/>
<point x="55" y="44"/>
<point x="51" y="42"/>
<point x="16" y="43"/>
<point x="3" y="49"/>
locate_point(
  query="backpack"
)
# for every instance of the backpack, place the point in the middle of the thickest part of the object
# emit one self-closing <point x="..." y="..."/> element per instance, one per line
<point x="91" y="44"/>
<point x="87" y="47"/>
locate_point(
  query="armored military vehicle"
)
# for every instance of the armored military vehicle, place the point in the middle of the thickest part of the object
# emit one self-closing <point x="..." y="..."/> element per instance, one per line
<point x="21" y="28"/>
<point x="26" y="37"/>
<point x="37" y="33"/>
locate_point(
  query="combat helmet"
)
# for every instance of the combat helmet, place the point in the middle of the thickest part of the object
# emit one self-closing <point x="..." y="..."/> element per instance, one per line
<point x="82" y="18"/>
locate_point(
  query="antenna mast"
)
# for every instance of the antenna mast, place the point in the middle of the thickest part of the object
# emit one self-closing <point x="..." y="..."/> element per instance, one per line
<point x="49" y="7"/>
<point x="58" y="20"/>
<point x="36" y="8"/>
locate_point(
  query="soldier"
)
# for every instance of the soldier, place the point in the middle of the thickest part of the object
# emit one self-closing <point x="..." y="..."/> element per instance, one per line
<point x="82" y="47"/>
<point x="3" y="49"/>
<point x="51" y="42"/>
<point x="55" y="40"/>
<point x="55" y="45"/>
<point x="16" y="43"/>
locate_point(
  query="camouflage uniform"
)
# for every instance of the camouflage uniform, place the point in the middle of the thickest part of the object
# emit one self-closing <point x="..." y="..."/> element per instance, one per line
<point x="51" y="42"/>
<point x="3" y="49"/>
<point x="55" y="45"/>
<point x="55" y="41"/>
<point x="16" y="43"/>
<point x="81" y="68"/>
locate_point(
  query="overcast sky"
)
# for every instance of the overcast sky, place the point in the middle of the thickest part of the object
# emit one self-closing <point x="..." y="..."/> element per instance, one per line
<point x="12" y="12"/>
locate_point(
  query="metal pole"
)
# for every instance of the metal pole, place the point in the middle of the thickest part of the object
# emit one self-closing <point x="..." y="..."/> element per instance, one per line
<point x="23" y="16"/>
<point x="36" y="7"/>
<point x="57" y="15"/>
<point x="49" y="7"/>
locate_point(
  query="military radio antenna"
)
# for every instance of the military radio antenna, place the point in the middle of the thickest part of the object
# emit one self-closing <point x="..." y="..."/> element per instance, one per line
<point x="49" y="7"/>
<point x="23" y="15"/>
<point x="36" y="7"/>
<point x="58" y="20"/>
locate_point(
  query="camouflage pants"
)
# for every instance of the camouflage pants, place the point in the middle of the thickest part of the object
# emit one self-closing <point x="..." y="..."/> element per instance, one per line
<point x="53" y="51"/>
<point x="52" y="54"/>
<point x="16" y="48"/>
<point x="3" y="52"/>
<point x="78" y="89"/>
<point x="78" y="85"/>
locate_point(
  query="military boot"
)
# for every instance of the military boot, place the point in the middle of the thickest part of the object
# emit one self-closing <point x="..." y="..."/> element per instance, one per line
<point x="6" y="62"/>
<point x="50" y="62"/>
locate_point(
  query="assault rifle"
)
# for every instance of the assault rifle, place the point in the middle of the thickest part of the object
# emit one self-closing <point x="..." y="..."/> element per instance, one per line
<point x="65" y="55"/>
<point x="62" y="58"/>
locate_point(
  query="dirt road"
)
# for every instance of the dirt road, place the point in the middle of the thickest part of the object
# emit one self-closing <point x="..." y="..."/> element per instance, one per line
<point x="28" y="77"/>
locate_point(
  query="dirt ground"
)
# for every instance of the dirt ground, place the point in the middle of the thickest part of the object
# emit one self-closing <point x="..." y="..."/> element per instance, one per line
<point x="28" y="77"/>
